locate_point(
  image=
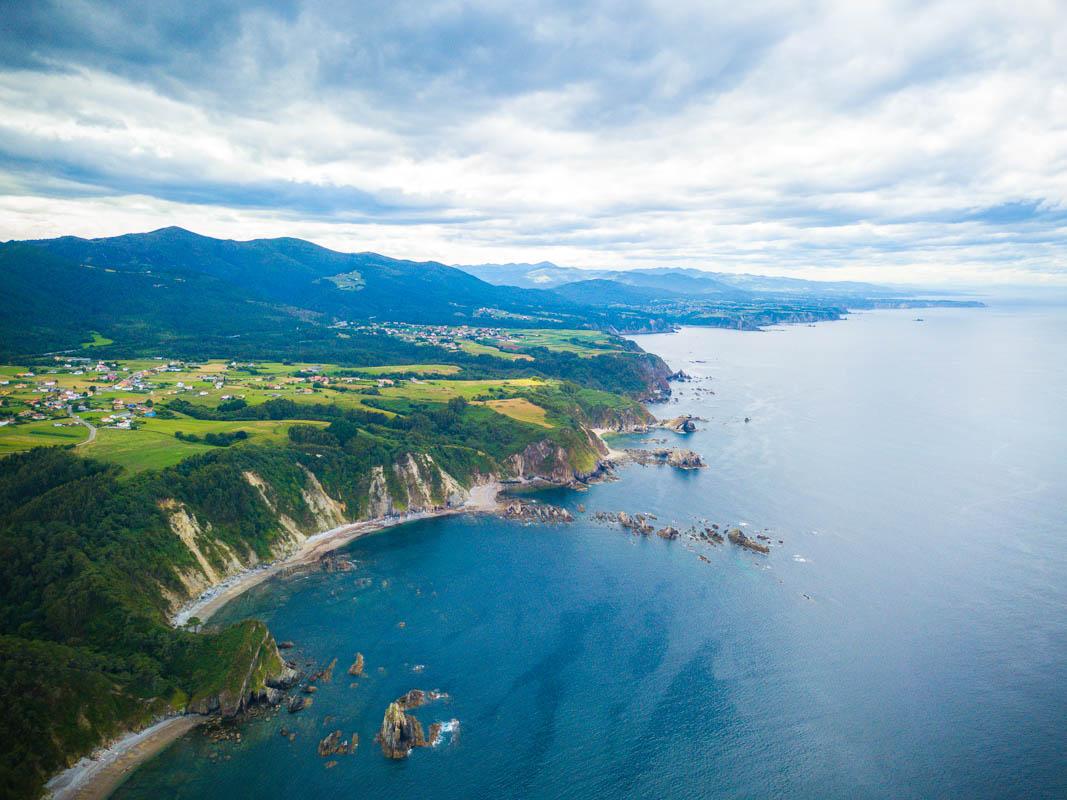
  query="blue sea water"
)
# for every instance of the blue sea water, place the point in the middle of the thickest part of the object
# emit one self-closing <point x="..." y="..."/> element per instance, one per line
<point x="908" y="638"/>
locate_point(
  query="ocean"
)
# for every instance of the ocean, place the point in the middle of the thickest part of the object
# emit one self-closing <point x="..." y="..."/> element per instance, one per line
<point x="907" y="638"/>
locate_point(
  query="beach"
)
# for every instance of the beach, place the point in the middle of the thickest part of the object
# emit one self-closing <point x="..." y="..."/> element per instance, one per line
<point x="96" y="777"/>
<point x="482" y="499"/>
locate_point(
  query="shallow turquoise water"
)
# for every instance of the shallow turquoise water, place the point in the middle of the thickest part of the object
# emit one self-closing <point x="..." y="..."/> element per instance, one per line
<point x="908" y="638"/>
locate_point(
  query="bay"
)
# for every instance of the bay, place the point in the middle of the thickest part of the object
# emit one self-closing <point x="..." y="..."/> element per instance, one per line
<point x="907" y="638"/>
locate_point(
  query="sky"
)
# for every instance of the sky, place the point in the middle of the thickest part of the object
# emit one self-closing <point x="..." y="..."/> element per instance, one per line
<point x="886" y="140"/>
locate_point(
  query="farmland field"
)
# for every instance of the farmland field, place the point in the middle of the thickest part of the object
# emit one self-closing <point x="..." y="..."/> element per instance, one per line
<point x="154" y="446"/>
<point x="521" y="409"/>
<point x="39" y="434"/>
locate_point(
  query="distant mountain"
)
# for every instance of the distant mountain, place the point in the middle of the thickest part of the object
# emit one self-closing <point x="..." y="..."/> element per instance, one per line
<point x="544" y="275"/>
<point x="172" y="283"/>
<point x="547" y="275"/>
<point x="599" y="292"/>
<point x="303" y="275"/>
<point x="171" y="290"/>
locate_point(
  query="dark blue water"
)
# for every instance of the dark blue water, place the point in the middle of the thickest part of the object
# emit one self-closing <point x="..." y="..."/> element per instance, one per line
<point x="908" y="639"/>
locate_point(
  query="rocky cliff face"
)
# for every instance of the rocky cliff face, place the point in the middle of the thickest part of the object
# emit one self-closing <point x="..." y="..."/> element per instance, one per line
<point x="656" y="375"/>
<point x="548" y="462"/>
<point x="423" y="484"/>
<point x="416" y="484"/>
<point x="623" y="419"/>
<point x="257" y="674"/>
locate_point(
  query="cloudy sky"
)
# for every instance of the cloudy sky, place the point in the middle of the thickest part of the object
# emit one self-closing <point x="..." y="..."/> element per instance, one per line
<point x="895" y="141"/>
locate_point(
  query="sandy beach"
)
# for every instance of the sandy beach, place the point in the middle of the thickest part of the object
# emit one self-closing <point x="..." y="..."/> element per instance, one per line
<point x="96" y="777"/>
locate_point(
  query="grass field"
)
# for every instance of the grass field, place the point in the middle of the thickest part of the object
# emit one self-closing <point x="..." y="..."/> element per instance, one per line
<point x="410" y="369"/>
<point x="584" y="343"/>
<point x="521" y="409"/>
<point x="97" y="341"/>
<point x="477" y="349"/>
<point x="440" y="391"/>
<point x="153" y="445"/>
<point x="14" y="438"/>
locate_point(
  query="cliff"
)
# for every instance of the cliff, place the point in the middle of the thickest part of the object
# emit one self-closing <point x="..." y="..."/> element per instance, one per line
<point x="240" y="667"/>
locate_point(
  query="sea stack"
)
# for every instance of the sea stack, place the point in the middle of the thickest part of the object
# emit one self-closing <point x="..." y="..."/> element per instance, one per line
<point x="399" y="733"/>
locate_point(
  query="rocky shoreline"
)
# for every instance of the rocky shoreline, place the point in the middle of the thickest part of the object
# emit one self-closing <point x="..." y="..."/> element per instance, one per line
<point x="400" y="731"/>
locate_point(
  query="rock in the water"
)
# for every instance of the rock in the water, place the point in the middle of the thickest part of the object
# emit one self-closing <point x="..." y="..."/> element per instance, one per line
<point x="332" y="563"/>
<point x="680" y="424"/>
<point x="417" y="697"/>
<point x="684" y="459"/>
<point x="399" y="733"/>
<point x="335" y="745"/>
<point x="298" y="703"/>
<point x="537" y="512"/>
<point x="676" y="457"/>
<point x="356" y="670"/>
<point x="638" y="523"/>
<point x="669" y="532"/>
<point x="737" y="536"/>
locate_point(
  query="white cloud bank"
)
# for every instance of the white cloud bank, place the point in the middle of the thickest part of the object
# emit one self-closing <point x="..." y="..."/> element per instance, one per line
<point x="887" y="141"/>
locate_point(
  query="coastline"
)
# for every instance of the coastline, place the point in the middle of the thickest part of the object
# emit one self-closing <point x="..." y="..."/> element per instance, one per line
<point x="95" y="777"/>
<point x="482" y="499"/>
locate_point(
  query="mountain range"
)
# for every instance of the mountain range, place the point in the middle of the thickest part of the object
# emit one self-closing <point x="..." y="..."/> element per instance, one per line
<point x="176" y="289"/>
<point x="682" y="280"/>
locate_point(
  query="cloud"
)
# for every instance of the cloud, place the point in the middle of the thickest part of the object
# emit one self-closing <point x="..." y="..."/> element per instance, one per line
<point x="892" y="141"/>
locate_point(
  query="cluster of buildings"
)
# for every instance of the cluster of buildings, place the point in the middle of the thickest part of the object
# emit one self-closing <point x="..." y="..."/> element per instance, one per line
<point x="448" y="337"/>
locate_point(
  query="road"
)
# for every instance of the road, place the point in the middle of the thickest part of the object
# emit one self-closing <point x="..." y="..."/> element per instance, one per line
<point x="91" y="427"/>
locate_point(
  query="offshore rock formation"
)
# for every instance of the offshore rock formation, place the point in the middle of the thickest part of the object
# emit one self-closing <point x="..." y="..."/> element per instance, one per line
<point x="676" y="457"/>
<point x="738" y="537"/>
<point x="356" y="670"/>
<point x="417" y="697"/>
<point x="680" y="424"/>
<point x="537" y="512"/>
<point x="400" y="732"/>
<point x="333" y="745"/>
<point x="638" y="523"/>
